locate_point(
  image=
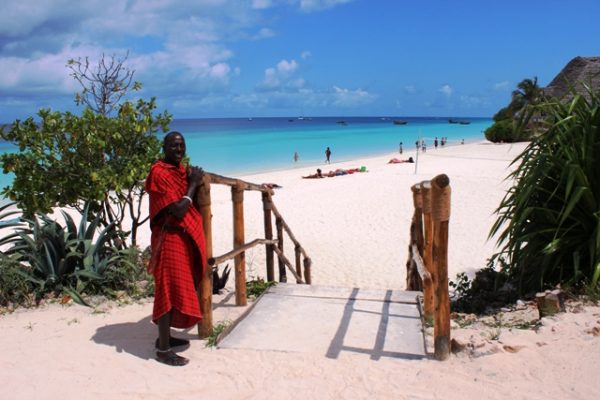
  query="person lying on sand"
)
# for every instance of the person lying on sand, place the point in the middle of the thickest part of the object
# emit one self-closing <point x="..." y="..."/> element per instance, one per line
<point x="398" y="161"/>
<point x="317" y="175"/>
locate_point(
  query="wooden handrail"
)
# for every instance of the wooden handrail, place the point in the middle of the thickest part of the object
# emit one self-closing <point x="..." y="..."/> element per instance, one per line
<point x="272" y="245"/>
<point x="224" y="180"/>
<point x="423" y="273"/>
<point x="231" y="254"/>
<point x="288" y="230"/>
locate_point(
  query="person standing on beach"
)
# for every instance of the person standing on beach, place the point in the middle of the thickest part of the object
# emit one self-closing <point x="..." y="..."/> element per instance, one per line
<point x="178" y="246"/>
<point x="327" y="155"/>
<point x="435" y="142"/>
<point x="400" y="148"/>
<point x="296" y="156"/>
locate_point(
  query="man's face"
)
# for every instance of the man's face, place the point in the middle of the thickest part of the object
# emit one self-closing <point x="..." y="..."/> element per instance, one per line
<point x="174" y="149"/>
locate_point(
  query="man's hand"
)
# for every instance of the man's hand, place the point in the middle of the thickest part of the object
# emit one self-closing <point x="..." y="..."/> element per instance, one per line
<point x="195" y="176"/>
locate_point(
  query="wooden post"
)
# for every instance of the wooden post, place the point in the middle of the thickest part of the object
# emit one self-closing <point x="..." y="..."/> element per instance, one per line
<point x="267" y="205"/>
<point x="282" y="272"/>
<point x="205" y="287"/>
<point x="307" y="264"/>
<point x="428" y="291"/>
<point x="298" y="263"/>
<point x="440" y="210"/>
<point x="413" y="280"/>
<point x="237" y="196"/>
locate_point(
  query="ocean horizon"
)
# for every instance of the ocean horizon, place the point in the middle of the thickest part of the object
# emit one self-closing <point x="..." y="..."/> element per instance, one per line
<point x="245" y="146"/>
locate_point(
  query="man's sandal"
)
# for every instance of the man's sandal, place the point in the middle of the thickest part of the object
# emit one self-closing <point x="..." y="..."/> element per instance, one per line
<point x="174" y="342"/>
<point x="170" y="358"/>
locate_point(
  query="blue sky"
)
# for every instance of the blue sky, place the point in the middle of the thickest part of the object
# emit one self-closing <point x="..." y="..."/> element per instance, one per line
<point x="221" y="58"/>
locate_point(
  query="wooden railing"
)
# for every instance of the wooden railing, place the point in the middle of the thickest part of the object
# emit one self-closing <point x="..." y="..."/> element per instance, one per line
<point x="301" y="270"/>
<point x="427" y="266"/>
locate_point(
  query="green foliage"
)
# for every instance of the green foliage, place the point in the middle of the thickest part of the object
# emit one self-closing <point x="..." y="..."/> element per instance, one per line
<point x="257" y="286"/>
<point x="211" y="340"/>
<point x="511" y="122"/>
<point x="549" y="220"/>
<point x="503" y="114"/>
<point x="505" y="131"/>
<point x="489" y="290"/>
<point x="64" y="160"/>
<point x="56" y="258"/>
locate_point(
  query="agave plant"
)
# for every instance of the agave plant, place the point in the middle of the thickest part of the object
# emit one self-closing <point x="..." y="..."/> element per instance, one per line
<point x="63" y="258"/>
<point x="549" y="221"/>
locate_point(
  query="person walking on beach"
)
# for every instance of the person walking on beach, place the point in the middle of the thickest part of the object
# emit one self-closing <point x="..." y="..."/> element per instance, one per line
<point x="400" y="148"/>
<point x="296" y="156"/>
<point x="435" y="142"/>
<point x="327" y="155"/>
<point x="178" y="246"/>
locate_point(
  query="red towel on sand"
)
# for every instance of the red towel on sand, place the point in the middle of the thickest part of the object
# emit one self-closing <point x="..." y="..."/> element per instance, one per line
<point x="178" y="257"/>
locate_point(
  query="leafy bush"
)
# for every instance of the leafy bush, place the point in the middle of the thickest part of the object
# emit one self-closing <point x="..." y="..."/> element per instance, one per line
<point x="93" y="158"/>
<point x="505" y="131"/>
<point x="489" y="290"/>
<point x="69" y="259"/>
<point x="549" y="220"/>
<point x="257" y="286"/>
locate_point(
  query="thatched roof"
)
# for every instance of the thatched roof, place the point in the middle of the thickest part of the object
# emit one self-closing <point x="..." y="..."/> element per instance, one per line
<point x="579" y="70"/>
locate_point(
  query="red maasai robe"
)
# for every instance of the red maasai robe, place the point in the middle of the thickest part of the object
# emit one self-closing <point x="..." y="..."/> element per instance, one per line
<point x="178" y="257"/>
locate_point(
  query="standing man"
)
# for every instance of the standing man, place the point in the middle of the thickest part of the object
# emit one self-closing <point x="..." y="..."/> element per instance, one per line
<point x="400" y="148"/>
<point x="327" y="155"/>
<point x="178" y="246"/>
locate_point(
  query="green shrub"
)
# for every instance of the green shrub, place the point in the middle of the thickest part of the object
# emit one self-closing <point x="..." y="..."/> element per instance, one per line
<point x="549" y="220"/>
<point x="500" y="131"/>
<point x="69" y="259"/>
<point x="257" y="286"/>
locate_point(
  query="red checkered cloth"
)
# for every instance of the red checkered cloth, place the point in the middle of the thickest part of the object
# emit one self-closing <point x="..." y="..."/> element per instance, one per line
<point x="178" y="256"/>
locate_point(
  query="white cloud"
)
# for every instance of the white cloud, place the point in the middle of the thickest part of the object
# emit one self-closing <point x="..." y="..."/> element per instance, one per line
<point x="351" y="98"/>
<point x="317" y="5"/>
<point x="264" y="33"/>
<point x="446" y="90"/>
<point x="305" y="55"/>
<point x="261" y="4"/>
<point x="280" y="75"/>
<point x="504" y="85"/>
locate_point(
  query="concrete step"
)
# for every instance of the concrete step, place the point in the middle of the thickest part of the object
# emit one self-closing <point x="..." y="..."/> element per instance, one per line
<point x="332" y="320"/>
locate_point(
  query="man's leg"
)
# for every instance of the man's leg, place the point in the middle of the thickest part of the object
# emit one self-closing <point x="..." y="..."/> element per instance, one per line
<point x="164" y="354"/>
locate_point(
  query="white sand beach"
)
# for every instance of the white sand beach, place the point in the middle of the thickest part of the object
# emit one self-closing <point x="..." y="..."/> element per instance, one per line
<point x="356" y="230"/>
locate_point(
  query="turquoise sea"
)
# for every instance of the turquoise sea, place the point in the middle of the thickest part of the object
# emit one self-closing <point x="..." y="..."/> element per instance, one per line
<point x="235" y="146"/>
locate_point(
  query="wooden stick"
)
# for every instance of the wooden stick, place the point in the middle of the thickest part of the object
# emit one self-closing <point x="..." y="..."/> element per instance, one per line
<point x="267" y="207"/>
<point x="288" y="264"/>
<point x="307" y="264"/>
<point x="298" y="263"/>
<point x="203" y="202"/>
<point x="428" y="291"/>
<point x="287" y="229"/>
<point x="440" y="210"/>
<point x="235" y="182"/>
<point x="279" y="249"/>
<point x="231" y="254"/>
<point x="423" y="273"/>
<point x="237" y="196"/>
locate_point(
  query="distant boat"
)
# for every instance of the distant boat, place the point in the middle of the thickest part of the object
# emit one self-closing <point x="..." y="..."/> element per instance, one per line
<point x="399" y="122"/>
<point x="455" y="121"/>
<point x="341" y="122"/>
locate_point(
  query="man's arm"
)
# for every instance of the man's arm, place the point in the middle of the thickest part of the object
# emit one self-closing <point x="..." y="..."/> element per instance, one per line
<point x="179" y="208"/>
